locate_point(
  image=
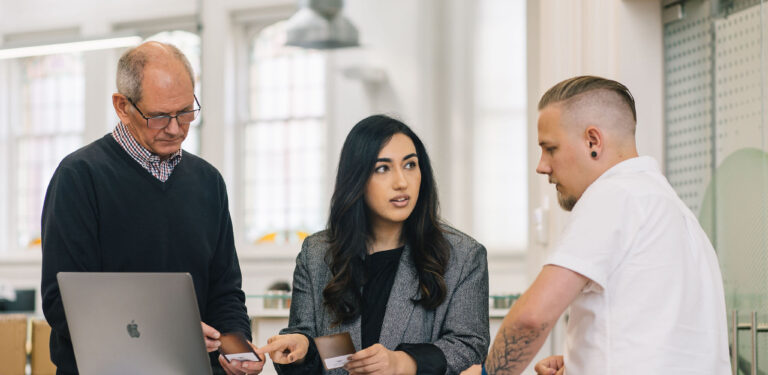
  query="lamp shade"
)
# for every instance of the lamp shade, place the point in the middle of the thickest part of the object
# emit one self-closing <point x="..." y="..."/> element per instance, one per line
<point x="319" y="24"/>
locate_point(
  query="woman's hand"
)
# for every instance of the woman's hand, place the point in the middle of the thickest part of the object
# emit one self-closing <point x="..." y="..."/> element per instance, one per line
<point x="553" y="365"/>
<point x="474" y="370"/>
<point x="242" y="367"/>
<point x="376" y="359"/>
<point x="285" y="349"/>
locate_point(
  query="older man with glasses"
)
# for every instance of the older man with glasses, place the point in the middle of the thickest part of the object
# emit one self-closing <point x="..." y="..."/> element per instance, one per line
<point x="131" y="202"/>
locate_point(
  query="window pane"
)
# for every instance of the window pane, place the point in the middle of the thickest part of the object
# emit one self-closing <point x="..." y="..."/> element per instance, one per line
<point x="51" y="126"/>
<point x="189" y="44"/>
<point x="500" y="162"/>
<point x="284" y="143"/>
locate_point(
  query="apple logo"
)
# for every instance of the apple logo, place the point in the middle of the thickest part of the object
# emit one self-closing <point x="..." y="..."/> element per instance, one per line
<point x="133" y="329"/>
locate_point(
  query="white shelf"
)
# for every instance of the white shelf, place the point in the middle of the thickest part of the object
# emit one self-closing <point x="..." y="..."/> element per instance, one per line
<point x="268" y="313"/>
<point x="497" y="313"/>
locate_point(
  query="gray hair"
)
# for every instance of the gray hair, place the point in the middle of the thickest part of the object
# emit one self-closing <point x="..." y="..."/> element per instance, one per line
<point x="130" y="69"/>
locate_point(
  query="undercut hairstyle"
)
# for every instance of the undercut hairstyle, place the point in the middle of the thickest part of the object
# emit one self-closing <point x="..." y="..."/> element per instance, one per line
<point x="349" y="224"/>
<point x="570" y="90"/>
<point x="130" y="69"/>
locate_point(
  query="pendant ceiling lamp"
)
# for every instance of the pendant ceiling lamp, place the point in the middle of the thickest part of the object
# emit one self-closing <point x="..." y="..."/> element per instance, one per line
<point x="320" y="24"/>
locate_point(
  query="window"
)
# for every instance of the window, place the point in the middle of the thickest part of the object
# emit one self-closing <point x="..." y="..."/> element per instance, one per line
<point x="48" y="124"/>
<point x="189" y="44"/>
<point x="43" y="119"/>
<point x="284" y="140"/>
<point x="500" y="140"/>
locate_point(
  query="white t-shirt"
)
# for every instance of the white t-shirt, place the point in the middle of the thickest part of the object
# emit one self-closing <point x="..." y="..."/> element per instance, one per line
<point x="655" y="301"/>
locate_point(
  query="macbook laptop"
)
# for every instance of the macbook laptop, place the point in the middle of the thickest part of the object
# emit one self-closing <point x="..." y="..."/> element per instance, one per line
<point x="134" y="323"/>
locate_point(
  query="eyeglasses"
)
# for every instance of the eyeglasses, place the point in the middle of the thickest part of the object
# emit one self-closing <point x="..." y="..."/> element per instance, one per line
<point x="161" y="121"/>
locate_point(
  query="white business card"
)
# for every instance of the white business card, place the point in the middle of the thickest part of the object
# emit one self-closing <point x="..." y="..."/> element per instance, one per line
<point x="336" y="362"/>
<point x="242" y="357"/>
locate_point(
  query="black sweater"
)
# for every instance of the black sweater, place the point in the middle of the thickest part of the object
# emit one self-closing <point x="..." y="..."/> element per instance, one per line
<point x="104" y="213"/>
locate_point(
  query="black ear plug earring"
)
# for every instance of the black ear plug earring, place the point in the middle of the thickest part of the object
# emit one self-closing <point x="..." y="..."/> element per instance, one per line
<point x="593" y="153"/>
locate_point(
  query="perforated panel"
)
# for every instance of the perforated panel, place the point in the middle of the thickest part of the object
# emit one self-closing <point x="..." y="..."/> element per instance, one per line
<point x="716" y="144"/>
<point x="738" y="79"/>
<point x="688" y="68"/>
<point x="739" y="5"/>
<point x="739" y="192"/>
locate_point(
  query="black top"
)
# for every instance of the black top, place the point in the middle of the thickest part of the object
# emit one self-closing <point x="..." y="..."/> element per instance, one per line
<point x="380" y="271"/>
<point x="103" y="212"/>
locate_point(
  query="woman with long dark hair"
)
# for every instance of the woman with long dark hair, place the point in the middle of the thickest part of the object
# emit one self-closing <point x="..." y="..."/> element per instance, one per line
<point x="411" y="291"/>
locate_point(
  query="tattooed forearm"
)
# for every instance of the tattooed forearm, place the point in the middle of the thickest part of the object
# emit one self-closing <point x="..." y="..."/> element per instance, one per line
<point x="513" y="349"/>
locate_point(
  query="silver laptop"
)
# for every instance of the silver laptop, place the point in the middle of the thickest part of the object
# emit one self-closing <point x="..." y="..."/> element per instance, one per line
<point x="134" y="323"/>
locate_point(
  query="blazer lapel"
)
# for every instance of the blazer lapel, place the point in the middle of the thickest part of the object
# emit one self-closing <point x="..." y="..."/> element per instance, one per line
<point x="400" y="305"/>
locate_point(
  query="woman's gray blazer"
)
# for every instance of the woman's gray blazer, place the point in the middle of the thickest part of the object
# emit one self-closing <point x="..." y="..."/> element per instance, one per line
<point x="459" y="326"/>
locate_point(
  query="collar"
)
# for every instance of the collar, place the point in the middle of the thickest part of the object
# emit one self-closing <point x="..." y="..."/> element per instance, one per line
<point x="138" y="152"/>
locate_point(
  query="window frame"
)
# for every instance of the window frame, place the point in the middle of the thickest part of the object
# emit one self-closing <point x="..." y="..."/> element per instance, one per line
<point x="478" y="110"/>
<point x="13" y="84"/>
<point x="459" y="109"/>
<point x="8" y="245"/>
<point x="98" y="78"/>
<point x="249" y="25"/>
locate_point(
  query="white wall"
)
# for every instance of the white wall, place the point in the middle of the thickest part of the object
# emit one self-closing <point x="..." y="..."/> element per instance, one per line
<point x="41" y="15"/>
<point x="5" y="167"/>
<point x="421" y="46"/>
<point x="620" y="40"/>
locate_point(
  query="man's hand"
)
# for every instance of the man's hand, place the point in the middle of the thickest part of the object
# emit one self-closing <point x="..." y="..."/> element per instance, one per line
<point x="285" y="349"/>
<point x="212" y="344"/>
<point x="211" y="336"/>
<point x="474" y="370"/>
<point x="377" y="359"/>
<point x="242" y="367"/>
<point x="553" y="365"/>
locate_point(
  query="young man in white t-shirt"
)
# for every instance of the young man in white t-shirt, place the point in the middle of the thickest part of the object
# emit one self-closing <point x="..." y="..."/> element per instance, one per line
<point x="639" y="274"/>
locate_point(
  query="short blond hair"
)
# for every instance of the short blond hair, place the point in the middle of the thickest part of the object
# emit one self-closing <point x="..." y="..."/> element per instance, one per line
<point x="572" y="87"/>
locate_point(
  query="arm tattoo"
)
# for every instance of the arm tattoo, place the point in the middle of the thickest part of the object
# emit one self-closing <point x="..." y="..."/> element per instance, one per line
<point x="513" y="349"/>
